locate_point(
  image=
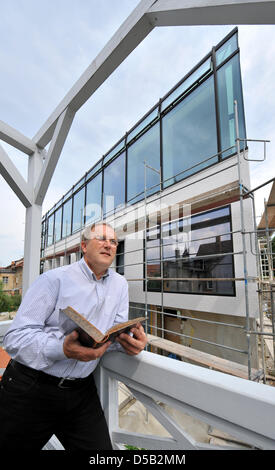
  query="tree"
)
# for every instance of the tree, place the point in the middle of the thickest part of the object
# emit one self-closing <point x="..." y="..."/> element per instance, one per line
<point x="8" y="303"/>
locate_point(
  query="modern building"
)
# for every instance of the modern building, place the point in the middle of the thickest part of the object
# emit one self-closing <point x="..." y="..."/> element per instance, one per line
<point x="184" y="170"/>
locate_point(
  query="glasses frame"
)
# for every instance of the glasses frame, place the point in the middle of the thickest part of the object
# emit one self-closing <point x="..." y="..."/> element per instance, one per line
<point x="102" y="239"/>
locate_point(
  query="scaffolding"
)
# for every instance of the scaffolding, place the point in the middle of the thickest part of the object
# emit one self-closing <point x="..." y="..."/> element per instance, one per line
<point x="265" y="285"/>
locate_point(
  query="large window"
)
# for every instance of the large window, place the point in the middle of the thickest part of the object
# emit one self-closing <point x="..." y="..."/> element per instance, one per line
<point x="78" y="209"/>
<point x="120" y="258"/>
<point x="57" y="224"/>
<point x="146" y="148"/>
<point x="67" y="218"/>
<point x="114" y="185"/>
<point x="93" y="199"/>
<point x="189" y="134"/>
<point x="153" y="255"/>
<point x="50" y="239"/>
<point x="199" y="260"/>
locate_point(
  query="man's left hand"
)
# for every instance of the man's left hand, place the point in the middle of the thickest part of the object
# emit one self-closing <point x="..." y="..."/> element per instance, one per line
<point x="133" y="344"/>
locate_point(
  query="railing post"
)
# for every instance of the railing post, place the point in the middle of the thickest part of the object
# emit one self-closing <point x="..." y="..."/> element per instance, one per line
<point x="107" y="389"/>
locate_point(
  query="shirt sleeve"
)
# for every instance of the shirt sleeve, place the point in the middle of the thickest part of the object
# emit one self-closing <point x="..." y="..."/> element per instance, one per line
<point x="27" y="340"/>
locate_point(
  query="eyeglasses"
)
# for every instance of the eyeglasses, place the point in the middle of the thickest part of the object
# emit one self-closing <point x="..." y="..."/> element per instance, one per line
<point x="102" y="239"/>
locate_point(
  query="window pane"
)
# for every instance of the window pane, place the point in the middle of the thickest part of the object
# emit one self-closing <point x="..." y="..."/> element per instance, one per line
<point x="207" y="254"/>
<point x="93" y="200"/>
<point x="120" y="258"/>
<point x="114" y="185"/>
<point x="230" y="89"/>
<point x="67" y="218"/>
<point x="153" y="259"/>
<point x="114" y="151"/>
<point x="57" y="224"/>
<point x="189" y="134"/>
<point x="152" y="116"/>
<point x="50" y="230"/>
<point x="146" y="148"/>
<point x="191" y="80"/>
<point x="79" y="184"/>
<point x="78" y="210"/>
<point x="93" y="170"/>
<point x="227" y="49"/>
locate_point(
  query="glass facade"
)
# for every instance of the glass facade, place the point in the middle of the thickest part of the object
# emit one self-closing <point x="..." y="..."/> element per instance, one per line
<point x="93" y="199"/>
<point x="179" y="136"/>
<point x="114" y="185"/>
<point x="67" y="219"/>
<point x="190" y="134"/>
<point x="78" y="209"/>
<point x="50" y="227"/>
<point x="120" y="258"/>
<point x="58" y="224"/>
<point x="145" y="148"/>
<point x="196" y="260"/>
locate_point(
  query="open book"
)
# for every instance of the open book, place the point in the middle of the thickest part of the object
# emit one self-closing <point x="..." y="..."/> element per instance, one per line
<point x="90" y="336"/>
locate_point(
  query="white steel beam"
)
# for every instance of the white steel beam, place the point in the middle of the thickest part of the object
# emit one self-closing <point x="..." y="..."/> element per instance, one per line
<point x="130" y="34"/>
<point x="32" y="245"/>
<point x="210" y="12"/>
<point x="60" y="133"/>
<point x="11" y="136"/>
<point x="32" y="240"/>
<point x="13" y="177"/>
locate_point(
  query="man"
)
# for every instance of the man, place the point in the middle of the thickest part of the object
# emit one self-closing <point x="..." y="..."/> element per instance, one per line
<point x="48" y="387"/>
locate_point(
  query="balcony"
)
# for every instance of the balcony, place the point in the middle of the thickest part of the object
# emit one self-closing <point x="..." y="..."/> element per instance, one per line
<point x="242" y="410"/>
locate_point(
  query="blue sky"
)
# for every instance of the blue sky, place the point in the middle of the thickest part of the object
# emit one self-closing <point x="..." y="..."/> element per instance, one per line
<point x="46" y="46"/>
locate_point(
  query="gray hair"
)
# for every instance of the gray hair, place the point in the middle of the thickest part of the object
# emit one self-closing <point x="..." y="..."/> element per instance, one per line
<point x="86" y="233"/>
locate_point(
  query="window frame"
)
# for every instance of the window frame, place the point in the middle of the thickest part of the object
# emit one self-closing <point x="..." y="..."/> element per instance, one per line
<point x="162" y="260"/>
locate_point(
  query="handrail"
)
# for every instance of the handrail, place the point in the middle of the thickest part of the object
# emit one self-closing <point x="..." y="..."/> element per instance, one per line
<point x="242" y="408"/>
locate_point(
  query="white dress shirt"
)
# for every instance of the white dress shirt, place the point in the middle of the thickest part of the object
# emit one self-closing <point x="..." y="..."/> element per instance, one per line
<point x="35" y="337"/>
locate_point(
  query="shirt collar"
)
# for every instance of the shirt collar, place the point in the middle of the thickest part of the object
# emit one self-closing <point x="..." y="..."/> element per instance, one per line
<point x="88" y="272"/>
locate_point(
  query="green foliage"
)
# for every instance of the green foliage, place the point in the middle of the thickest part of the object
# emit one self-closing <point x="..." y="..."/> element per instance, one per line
<point x="128" y="447"/>
<point x="8" y="303"/>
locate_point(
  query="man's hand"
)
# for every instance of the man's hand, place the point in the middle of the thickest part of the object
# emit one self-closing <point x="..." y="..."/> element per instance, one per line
<point x="74" y="350"/>
<point x="133" y="345"/>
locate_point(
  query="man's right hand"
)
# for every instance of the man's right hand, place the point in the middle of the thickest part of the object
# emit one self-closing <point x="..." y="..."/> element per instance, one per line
<point x="74" y="350"/>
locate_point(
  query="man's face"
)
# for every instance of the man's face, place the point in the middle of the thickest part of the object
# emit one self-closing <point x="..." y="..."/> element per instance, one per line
<point x="99" y="252"/>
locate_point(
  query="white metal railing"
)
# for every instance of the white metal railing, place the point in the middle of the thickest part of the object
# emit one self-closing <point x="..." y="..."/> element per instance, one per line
<point x="240" y="408"/>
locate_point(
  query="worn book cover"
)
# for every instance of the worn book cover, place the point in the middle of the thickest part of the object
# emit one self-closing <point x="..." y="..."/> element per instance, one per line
<point x="91" y="336"/>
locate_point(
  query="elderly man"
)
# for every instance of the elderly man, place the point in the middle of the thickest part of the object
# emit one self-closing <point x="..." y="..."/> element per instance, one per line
<point x="48" y="387"/>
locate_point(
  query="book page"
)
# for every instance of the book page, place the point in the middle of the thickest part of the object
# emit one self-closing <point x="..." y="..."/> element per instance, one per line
<point x="84" y="324"/>
<point x="124" y="325"/>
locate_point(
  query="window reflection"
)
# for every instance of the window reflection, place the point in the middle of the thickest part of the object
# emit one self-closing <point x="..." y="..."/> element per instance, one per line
<point x="120" y="258"/>
<point x="153" y="258"/>
<point x="50" y="230"/>
<point x="189" y="134"/>
<point x="78" y="210"/>
<point x="93" y="200"/>
<point x="227" y="49"/>
<point x="57" y="224"/>
<point x="206" y="254"/>
<point x="67" y="218"/>
<point x="146" y="148"/>
<point x="114" y="185"/>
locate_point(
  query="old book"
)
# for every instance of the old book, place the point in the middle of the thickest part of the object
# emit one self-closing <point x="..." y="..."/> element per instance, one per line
<point x="90" y="336"/>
